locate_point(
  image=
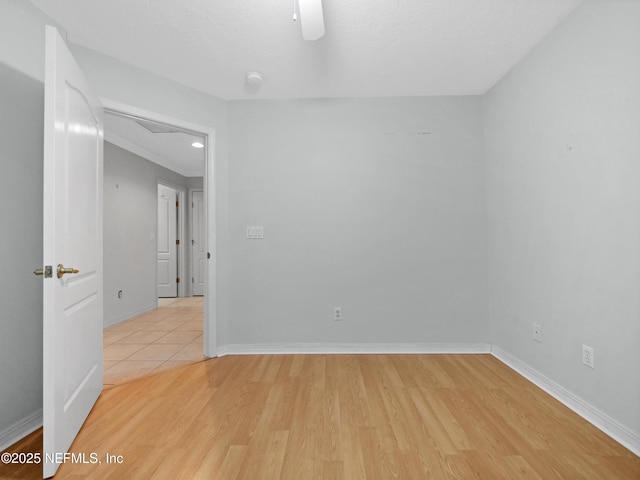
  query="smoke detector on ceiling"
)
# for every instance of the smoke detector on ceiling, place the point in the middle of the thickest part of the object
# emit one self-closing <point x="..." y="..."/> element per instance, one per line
<point x="254" y="79"/>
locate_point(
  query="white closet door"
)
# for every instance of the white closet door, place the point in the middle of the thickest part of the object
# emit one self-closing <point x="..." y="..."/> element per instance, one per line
<point x="198" y="245"/>
<point x="167" y="272"/>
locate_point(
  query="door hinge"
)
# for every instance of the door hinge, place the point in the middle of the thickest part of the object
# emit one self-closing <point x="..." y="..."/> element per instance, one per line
<point x="193" y="280"/>
<point x="178" y="280"/>
<point x="177" y="204"/>
<point x="193" y="242"/>
<point x="178" y="242"/>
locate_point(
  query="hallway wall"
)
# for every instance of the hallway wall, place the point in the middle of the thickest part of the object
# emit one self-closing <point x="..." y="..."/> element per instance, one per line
<point x="130" y="213"/>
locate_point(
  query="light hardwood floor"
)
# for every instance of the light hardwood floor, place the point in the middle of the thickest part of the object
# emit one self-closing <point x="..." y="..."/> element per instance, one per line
<point x="164" y="338"/>
<point x="341" y="417"/>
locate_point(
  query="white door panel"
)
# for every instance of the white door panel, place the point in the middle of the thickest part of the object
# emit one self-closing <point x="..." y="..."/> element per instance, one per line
<point x="167" y="270"/>
<point x="198" y="243"/>
<point x="72" y="235"/>
<point x="163" y="272"/>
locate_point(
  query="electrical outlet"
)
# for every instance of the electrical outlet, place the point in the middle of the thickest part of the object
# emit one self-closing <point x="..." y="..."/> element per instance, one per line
<point x="537" y="332"/>
<point x="337" y="314"/>
<point x="587" y="356"/>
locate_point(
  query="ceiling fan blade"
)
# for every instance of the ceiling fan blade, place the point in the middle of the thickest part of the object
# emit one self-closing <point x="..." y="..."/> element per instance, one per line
<point x="311" y="19"/>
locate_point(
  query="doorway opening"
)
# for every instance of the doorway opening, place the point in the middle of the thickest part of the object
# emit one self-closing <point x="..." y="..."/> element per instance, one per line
<point x="184" y="281"/>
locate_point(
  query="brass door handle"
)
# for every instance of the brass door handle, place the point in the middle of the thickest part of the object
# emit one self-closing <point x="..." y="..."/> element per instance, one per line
<point x="62" y="270"/>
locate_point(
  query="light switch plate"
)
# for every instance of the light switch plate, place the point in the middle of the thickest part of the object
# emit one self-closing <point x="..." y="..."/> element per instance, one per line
<point x="255" y="232"/>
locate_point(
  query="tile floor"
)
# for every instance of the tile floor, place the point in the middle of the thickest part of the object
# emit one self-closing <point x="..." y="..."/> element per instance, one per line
<point x="167" y="337"/>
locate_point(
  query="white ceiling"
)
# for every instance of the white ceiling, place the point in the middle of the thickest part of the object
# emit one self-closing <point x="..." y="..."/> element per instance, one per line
<point x="171" y="150"/>
<point x="371" y="48"/>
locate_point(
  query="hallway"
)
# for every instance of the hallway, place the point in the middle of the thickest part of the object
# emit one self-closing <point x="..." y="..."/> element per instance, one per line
<point x="168" y="337"/>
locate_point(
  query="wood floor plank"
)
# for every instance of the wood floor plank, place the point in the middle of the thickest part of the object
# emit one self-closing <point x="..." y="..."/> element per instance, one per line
<point x="249" y="411"/>
<point x="511" y="411"/>
<point x="446" y="441"/>
<point x="434" y="376"/>
<point x="388" y="417"/>
<point x="504" y="432"/>
<point x="487" y="461"/>
<point x="296" y="365"/>
<point x="518" y="467"/>
<point x="459" y="467"/>
<point x="352" y="452"/>
<point x="351" y="417"/>
<point x="298" y="460"/>
<point x="480" y="434"/>
<point x="331" y="438"/>
<point x="376" y="466"/>
<point x="333" y="470"/>
<point x="274" y="455"/>
<point x="553" y="466"/>
<point x="354" y="408"/>
<point x="230" y="468"/>
<point x="283" y="373"/>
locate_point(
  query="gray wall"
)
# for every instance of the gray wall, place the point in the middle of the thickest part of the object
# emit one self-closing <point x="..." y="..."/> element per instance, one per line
<point x="21" y="143"/>
<point x="130" y="226"/>
<point x="563" y="171"/>
<point x="22" y="37"/>
<point x="376" y="206"/>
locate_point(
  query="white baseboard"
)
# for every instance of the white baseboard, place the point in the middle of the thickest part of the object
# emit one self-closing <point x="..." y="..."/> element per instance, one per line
<point x="592" y="415"/>
<point x="20" y="429"/>
<point x="126" y="316"/>
<point x="351" y="348"/>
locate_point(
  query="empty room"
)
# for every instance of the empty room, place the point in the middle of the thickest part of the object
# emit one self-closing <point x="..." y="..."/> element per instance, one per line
<point x="421" y="223"/>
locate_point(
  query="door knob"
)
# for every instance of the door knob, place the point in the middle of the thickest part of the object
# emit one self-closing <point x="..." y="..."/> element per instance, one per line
<point x="62" y="270"/>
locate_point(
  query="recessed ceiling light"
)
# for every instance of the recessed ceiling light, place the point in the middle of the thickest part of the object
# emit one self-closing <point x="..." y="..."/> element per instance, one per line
<point x="197" y="145"/>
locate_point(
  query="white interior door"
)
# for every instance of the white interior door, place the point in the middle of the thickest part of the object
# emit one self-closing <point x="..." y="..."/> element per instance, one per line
<point x="72" y="235"/>
<point x="167" y="271"/>
<point x="198" y="244"/>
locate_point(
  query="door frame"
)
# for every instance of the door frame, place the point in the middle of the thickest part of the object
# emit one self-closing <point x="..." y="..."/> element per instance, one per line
<point x="209" y="184"/>
<point x="180" y="233"/>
